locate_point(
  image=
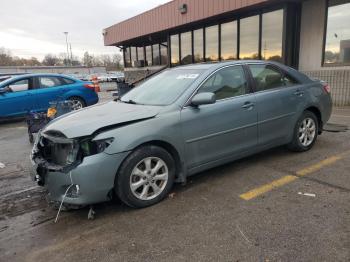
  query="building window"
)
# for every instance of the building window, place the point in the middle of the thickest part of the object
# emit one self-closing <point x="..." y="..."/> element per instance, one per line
<point x="164" y="53"/>
<point x="140" y="56"/>
<point x="337" y="49"/>
<point x="272" y="34"/>
<point x="127" y="57"/>
<point x="133" y="56"/>
<point x="156" y="57"/>
<point x="249" y="38"/>
<point x="186" y="48"/>
<point x="198" y="45"/>
<point x="212" y="43"/>
<point x="148" y="55"/>
<point x="175" y="50"/>
<point x="229" y="41"/>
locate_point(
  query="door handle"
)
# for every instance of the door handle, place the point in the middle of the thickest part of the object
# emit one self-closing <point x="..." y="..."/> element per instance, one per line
<point x="299" y="93"/>
<point x="248" y="105"/>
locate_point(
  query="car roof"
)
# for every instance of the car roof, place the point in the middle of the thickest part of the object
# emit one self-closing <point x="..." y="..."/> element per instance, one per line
<point x="19" y="77"/>
<point x="212" y="66"/>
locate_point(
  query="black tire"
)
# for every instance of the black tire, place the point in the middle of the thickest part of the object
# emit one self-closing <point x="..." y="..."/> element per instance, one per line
<point x="122" y="182"/>
<point x="76" y="99"/>
<point x="296" y="144"/>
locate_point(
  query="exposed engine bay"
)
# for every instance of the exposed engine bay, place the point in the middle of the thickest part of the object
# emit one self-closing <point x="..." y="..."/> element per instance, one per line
<point x="54" y="152"/>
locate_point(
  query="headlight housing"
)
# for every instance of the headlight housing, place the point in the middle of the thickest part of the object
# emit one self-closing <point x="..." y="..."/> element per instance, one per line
<point x="92" y="147"/>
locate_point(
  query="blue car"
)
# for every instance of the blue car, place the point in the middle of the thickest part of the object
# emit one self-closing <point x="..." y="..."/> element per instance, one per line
<point x="34" y="92"/>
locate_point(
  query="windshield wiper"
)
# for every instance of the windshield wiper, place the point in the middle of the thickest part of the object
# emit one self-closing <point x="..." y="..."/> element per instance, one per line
<point x="129" y="102"/>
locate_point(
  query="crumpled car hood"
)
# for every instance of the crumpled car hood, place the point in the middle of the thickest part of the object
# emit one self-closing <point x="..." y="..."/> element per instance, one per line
<point x="86" y="121"/>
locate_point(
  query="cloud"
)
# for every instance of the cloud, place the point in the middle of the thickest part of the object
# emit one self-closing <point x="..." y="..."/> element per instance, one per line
<point x="35" y="27"/>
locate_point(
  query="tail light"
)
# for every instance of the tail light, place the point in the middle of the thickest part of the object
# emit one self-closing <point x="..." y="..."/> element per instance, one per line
<point x="95" y="87"/>
<point x="90" y="86"/>
<point x="327" y="88"/>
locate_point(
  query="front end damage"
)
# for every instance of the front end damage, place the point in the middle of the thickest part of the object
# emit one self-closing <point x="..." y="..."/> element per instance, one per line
<point x="75" y="170"/>
<point x="56" y="153"/>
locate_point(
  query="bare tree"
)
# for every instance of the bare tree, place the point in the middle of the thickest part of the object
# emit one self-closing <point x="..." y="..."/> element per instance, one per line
<point x="50" y="60"/>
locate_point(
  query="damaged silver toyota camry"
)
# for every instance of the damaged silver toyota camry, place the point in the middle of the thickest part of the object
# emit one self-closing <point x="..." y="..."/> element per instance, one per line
<point x="178" y="123"/>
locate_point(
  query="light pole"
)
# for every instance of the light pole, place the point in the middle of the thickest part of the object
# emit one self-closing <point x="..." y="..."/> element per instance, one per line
<point x="67" y="61"/>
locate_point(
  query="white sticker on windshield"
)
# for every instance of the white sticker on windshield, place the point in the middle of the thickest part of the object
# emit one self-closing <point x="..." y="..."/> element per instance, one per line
<point x="188" y="76"/>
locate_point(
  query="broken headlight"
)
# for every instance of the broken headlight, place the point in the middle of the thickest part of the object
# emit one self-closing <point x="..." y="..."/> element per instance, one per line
<point x="93" y="147"/>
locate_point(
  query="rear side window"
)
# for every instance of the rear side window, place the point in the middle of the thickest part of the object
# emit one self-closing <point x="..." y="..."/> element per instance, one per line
<point x="267" y="77"/>
<point x="66" y="81"/>
<point x="226" y="83"/>
<point x="49" y="81"/>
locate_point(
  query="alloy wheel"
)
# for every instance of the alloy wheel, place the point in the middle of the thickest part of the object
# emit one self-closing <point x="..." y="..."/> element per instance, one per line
<point x="307" y="132"/>
<point x="149" y="178"/>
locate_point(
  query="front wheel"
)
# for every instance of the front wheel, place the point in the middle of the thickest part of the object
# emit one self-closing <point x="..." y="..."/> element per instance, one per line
<point x="305" y="133"/>
<point x="145" y="177"/>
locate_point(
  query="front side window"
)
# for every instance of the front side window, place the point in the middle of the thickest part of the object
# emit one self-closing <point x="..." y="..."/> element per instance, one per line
<point x="226" y="83"/>
<point x="212" y="43"/>
<point x="272" y="33"/>
<point x="46" y="82"/>
<point x="249" y="38"/>
<point x="21" y="85"/>
<point x="337" y="49"/>
<point x="162" y="89"/>
<point x="267" y="77"/>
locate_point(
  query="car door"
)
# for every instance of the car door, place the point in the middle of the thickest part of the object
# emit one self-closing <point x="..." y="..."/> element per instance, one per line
<point x="46" y="89"/>
<point x="278" y="98"/>
<point x="18" y="100"/>
<point x="218" y="131"/>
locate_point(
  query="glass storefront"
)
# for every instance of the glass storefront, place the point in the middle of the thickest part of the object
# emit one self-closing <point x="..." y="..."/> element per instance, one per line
<point x="212" y="43"/>
<point x="198" y="50"/>
<point x="243" y="34"/>
<point x="148" y="55"/>
<point x="337" y="48"/>
<point x="229" y="41"/>
<point x="186" y="48"/>
<point x="272" y="34"/>
<point x="175" y="50"/>
<point x="249" y="38"/>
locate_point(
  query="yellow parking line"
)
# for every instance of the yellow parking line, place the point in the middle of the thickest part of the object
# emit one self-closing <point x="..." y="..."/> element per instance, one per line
<point x="268" y="187"/>
<point x="290" y="178"/>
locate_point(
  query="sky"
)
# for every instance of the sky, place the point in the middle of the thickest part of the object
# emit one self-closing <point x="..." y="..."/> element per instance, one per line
<point x="35" y="27"/>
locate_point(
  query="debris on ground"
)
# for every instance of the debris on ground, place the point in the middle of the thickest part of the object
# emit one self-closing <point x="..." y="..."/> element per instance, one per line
<point x="335" y="128"/>
<point x="307" y="194"/>
<point x="2" y="165"/>
<point x="171" y="195"/>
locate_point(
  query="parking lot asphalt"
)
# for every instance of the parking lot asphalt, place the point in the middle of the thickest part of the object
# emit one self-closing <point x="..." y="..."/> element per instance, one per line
<point x="274" y="206"/>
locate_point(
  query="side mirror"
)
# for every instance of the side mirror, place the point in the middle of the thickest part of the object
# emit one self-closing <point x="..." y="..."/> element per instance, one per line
<point x="205" y="98"/>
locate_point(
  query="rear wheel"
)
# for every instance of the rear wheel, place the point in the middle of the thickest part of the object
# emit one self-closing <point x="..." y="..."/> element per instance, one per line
<point x="77" y="103"/>
<point x="305" y="133"/>
<point x="145" y="177"/>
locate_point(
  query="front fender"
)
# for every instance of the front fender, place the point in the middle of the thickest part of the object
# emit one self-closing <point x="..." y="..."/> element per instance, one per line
<point x="165" y="128"/>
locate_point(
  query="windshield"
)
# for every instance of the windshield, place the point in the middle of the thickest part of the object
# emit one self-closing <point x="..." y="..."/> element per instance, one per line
<point x="162" y="89"/>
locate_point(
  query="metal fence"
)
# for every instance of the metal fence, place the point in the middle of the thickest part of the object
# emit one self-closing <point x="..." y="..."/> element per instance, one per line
<point x="339" y="81"/>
